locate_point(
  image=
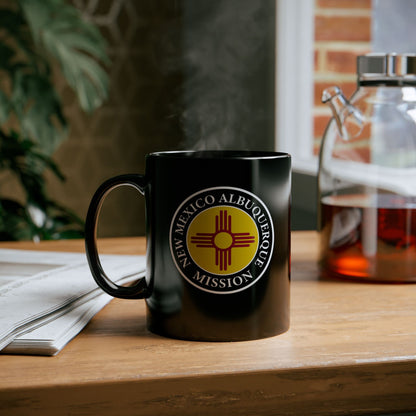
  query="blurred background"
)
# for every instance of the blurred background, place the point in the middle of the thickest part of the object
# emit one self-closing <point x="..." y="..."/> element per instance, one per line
<point x="187" y="74"/>
<point x="183" y="74"/>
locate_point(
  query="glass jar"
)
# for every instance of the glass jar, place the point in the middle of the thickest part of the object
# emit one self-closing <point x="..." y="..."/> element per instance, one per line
<point x="367" y="174"/>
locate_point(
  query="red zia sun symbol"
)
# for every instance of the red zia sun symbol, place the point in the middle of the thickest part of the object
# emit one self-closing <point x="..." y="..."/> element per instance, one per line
<point x="223" y="240"/>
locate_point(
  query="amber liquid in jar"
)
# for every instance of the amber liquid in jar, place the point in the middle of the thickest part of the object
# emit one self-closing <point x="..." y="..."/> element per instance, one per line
<point x="369" y="238"/>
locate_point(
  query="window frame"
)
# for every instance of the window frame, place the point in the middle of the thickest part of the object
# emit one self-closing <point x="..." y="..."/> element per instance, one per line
<point x="294" y="83"/>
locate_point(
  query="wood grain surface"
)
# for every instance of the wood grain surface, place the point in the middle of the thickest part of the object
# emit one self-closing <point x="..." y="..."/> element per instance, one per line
<point x="351" y="350"/>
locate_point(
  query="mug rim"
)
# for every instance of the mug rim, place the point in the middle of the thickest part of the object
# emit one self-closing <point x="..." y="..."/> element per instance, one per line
<point x="219" y="154"/>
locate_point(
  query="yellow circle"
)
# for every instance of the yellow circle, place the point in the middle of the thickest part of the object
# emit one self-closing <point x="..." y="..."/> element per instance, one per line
<point x="222" y="240"/>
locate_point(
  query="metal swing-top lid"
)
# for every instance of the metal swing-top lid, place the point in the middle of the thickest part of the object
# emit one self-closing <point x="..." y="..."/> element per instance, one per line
<point x="388" y="68"/>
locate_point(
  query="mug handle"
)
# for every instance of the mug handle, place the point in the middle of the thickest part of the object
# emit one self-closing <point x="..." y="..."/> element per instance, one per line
<point x="140" y="289"/>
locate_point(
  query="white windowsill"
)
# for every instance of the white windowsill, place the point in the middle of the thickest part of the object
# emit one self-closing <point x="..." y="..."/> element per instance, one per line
<point x="305" y="166"/>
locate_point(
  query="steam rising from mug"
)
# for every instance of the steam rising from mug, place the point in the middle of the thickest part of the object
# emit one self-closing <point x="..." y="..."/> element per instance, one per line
<point x="227" y="66"/>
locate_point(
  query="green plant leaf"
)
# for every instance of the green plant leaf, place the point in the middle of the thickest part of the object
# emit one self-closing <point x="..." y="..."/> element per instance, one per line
<point x="22" y="158"/>
<point x="14" y="222"/>
<point x="10" y="21"/>
<point x="34" y="34"/>
<point x="6" y="55"/>
<point x="62" y="33"/>
<point x="4" y="107"/>
<point x="39" y="217"/>
<point x="39" y="110"/>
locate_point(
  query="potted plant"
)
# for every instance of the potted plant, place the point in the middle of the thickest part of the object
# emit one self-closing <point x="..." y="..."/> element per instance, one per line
<point x="37" y="38"/>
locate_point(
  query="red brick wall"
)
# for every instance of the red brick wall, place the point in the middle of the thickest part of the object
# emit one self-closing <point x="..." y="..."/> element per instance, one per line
<point x="342" y="32"/>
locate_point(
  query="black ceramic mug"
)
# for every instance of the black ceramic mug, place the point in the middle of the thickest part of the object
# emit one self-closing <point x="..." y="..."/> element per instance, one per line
<point x="218" y="243"/>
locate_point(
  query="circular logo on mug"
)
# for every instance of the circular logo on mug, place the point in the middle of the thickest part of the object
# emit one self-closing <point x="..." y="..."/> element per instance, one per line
<point x="221" y="239"/>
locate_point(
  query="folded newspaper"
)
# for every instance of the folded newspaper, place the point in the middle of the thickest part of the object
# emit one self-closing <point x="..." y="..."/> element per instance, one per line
<point x="46" y="298"/>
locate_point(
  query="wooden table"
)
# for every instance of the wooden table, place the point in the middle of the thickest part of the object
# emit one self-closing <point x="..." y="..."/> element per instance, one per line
<point x="351" y="350"/>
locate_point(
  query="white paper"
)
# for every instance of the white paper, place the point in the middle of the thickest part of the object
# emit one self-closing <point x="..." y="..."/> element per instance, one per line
<point x="46" y="298"/>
